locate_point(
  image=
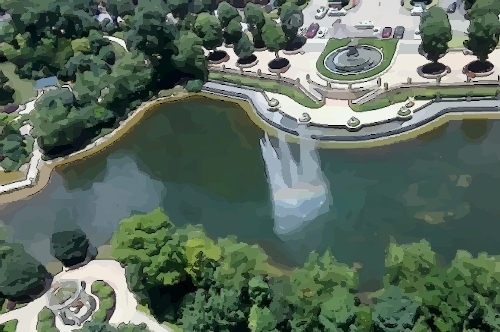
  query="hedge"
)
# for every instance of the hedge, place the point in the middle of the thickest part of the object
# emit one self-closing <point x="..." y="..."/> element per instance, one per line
<point x="107" y="301"/>
<point x="46" y="321"/>
<point x="9" y="326"/>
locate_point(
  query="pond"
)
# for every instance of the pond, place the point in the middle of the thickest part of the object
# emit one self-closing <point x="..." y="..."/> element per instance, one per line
<point x="201" y="160"/>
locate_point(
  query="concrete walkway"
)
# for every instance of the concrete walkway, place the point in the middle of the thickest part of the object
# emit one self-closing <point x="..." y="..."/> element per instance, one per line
<point x="106" y="270"/>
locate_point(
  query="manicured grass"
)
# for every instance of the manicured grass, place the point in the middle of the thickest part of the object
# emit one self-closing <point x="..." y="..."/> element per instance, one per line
<point x="387" y="46"/>
<point x="9" y="326"/>
<point x="46" y="321"/>
<point x="267" y="85"/>
<point x="107" y="301"/>
<point x="426" y="94"/>
<point x="24" y="90"/>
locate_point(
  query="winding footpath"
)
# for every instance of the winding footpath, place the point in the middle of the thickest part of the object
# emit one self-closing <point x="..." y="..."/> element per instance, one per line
<point x="108" y="271"/>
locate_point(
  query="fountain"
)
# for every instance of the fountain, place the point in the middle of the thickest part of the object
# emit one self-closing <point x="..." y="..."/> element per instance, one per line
<point x="353" y="59"/>
<point x="299" y="191"/>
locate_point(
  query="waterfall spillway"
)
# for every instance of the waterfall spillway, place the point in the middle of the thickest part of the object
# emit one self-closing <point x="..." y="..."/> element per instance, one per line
<point x="298" y="188"/>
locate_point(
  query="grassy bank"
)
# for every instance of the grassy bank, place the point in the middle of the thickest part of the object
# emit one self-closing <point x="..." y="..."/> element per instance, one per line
<point x="424" y="93"/>
<point x="268" y="85"/>
<point x="24" y="89"/>
<point x="387" y="46"/>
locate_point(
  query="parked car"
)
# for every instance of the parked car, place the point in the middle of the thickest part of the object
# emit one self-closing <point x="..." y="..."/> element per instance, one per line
<point x="312" y="30"/>
<point x="322" y="32"/>
<point x="452" y="8"/>
<point x="337" y="12"/>
<point x="417" y="36"/>
<point x="387" y="32"/>
<point x="364" y="25"/>
<point x="376" y="31"/>
<point x="399" y="32"/>
<point x="321" y="12"/>
<point x="417" y="10"/>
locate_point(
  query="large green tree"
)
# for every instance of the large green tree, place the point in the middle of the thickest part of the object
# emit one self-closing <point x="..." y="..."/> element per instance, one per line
<point x="254" y="17"/>
<point x="244" y="48"/>
<point x="274" y="37"/>
<point x="233" y="32"/>
<point x="483" y="34"/>
<point x="394" y="312"/>
<point x="292" y="19"/>
<point x="226" y="13"/>
<point x="202" y="6"/>
<point x="21" y="275"/>
<point x="178" y="8"/>
<point x="190" y="57"/>
<point x="435" y="30"/>
<point x="482" y="7"/>
<point x="208" y="28"/>
<point x="6" y="91"/>
<point x="120" y="8"/>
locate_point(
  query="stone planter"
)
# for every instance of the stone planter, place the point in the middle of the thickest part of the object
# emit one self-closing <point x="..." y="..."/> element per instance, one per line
<point x="474" y="74"/>
<point x="278" y="69"/>
<point x="248" y="65"/>
<point x="433" y="76"/>
<point x="353" y="124"/>
<point x="218" y="62"/>
<point x="293" y="52"/>
<point x="404" y="114"/>
<point x="262" y="49"/>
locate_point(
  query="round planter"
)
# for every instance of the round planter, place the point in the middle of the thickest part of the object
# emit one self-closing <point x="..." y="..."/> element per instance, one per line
<point x="262" y="49"/>
<point x="252" y="62"/>
<point x="293" y="52"/>
<point x="445" y="71"/>
<point x="218" y="57"/>
<point x="279" y="65"/>
<point x="353" y="124"/>
<point x="471" y="67"/>
<point x="405" y="114"/>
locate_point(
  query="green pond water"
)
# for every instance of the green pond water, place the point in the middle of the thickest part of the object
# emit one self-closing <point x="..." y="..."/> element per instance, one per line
<point x="201" y="161"/>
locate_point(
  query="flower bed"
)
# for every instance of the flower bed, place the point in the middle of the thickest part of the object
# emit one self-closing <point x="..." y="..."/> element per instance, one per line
<point x="107" y="301"/>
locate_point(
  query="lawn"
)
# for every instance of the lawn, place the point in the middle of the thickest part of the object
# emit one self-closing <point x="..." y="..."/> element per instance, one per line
<point x="426" y="93"/>
<point x="387" y="46"/>
<point x="24" y="89"/>
<point x="267" y="85"/>
<point x="457" y="41"/>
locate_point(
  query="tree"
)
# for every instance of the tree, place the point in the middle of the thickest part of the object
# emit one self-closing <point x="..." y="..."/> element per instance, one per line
<point x="394" y="312"/>
<point x="339" y="312"/>
<point x="202" y="6"/>
<point x="6" y="91"/>
<point x="254" y="17"/>
<point x="226" y="13"/>
<point x="178" y="8"/>
<point x="407" y="266"/>
<point x="120" y="8"/>
<point x="20" y="273"/>
<point x="233" y="32"/>
<point x="435" y="30"/>
<point x="70" y="246"/>
<point x="244" y="48"/>
<point x="106" y="327"/>
<point x="292" y="19"/>
<point x="274" y="37"/>
<point x="208" y="28"/>
<point x="468" y="4"/>
<point x="190" y="57"/>
<point x="483" y="35"/>
<point x="482" y="7"/>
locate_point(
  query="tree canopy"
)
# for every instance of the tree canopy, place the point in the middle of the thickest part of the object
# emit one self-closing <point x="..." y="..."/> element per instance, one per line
<point x="435" y="30"/>
<point x="69" y="245"/>
<point x="274" y="37"/>
<point x="483" y="34"/>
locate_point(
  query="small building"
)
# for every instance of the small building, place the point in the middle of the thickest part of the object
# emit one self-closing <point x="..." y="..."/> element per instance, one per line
<point x="47" y="83"/>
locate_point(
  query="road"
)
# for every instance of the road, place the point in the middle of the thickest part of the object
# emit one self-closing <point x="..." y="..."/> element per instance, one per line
<point x="458" y="23"/>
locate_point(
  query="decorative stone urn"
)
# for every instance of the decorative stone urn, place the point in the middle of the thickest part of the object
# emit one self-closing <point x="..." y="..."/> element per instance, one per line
<point x="305" y="118"/>
<point x="353" y="123"/>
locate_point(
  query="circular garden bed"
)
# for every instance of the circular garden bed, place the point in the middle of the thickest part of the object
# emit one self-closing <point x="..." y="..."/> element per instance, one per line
<point x="278" y="65"/>
<point x="259" y="46"/>
<point x="433" y="70"/>
<point x="217" y="57"/>
<point x="295" y="46"/>
<point x="247" y="62"/>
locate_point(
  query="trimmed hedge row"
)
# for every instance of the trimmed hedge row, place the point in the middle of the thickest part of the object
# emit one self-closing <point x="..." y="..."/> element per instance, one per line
<point x="46" y="321"/>
<point x="107" y="301"/>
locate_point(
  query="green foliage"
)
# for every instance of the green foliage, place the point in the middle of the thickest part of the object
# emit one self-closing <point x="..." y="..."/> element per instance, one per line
<point x="394" y="312"/>
<point x="226" y="13"/>
<point x="107" y="301"/>
<point x="194" y="85"/>
<point x="482" y="7"/>
<point x="69" y="246"/>
<point x="208" y="28"/>
<point x="13" y="146"/>
<point x="9" y="326"/>
<point x="20" y="273"/>
<point x="292" y="19"/>
<point x="202" y="6"/>
<point x="436" y="33"/>
<point x="483" y="33"/>
<point x="244" y="48"/>
<point x="46" y="321"/>
<point x="120" y="8"/>
<point x="6" y="91"/>
<point x="178" y="8"/>
<point x="232" y="32"/>
<point x="274" y="37"/>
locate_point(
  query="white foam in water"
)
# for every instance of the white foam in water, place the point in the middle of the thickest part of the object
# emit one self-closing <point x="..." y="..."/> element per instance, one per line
<point x="298" y="189"/>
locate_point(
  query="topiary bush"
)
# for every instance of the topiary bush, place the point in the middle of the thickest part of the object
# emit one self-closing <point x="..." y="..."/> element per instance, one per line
<point x="46" y="321"/>
<point x="107" y="301"/>
<point x="194" y="86"/>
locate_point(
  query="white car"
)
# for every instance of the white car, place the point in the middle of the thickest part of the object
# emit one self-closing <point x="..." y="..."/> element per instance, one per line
<point x="320" y="13"/>
<point x="377" y="31"/>
<point x="417" y="10"/>
<point x="416" y="35"/>
<point x="302" y="31"/>
<point x="364" y="25"/>
<point x="322" y="32"/>
<point x="337" y="12"/>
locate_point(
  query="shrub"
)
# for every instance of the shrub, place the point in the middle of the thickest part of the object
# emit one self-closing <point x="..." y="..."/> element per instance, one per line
<point x="194" y="85"/>
<point x="107" y="301"/>
<point x="46" y="321"/>
<point x="9" y="326"/>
